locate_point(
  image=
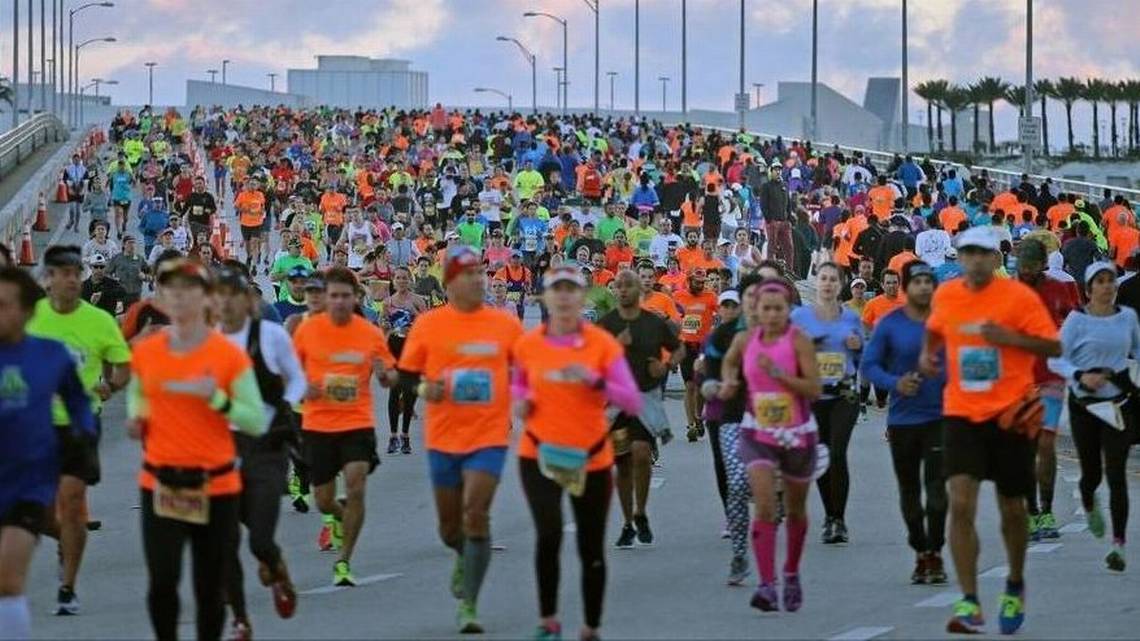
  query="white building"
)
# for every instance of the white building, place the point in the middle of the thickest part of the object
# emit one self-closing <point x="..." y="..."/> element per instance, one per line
<point x="352" y="81"/>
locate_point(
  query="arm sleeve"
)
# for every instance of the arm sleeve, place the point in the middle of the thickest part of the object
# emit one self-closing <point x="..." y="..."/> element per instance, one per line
<point x="873" y="366"/>
<point x="621" y="388"/>
<point x="520" y="388"/>
<point x="247" y="410"/>
<point x="136" y="404"/>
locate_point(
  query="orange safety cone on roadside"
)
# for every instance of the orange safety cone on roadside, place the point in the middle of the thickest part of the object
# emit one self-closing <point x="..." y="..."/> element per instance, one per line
<point x="216" y="235"/>
<point x="27" y="251"/>
<point x="41" y="215"/>
<point x="61" y="194"/>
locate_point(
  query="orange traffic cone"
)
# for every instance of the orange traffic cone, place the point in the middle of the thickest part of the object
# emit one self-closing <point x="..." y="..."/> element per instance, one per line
<point x="61" y="195"/>
<point x="41" y="215"/>
<point x="27" y="251"/>
<point x="216" y="234"/>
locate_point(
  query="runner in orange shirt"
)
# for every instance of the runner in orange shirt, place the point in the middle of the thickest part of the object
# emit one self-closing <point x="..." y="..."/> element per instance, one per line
<point x="658" y="302"/>
<point x="882" y="199"/>
<point x="992" y="331"/>
<point x="332" y="206"/>
<point x="884" y="303"/>
<point x="698" y="309"/>
<point x="691" y="255"/>
<point x="250" y="206"/>
<point x="673" y="279"/>
<point x="339" y="352"/>
<point x="561" y="364"/>
<point x="951" y="216"/>
<point x="459" y="355"/>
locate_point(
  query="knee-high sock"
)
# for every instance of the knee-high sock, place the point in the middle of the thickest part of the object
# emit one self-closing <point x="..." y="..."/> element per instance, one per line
<point x="764" y="546"/>
<point x="476" y="558"/>
<point x="15" y="618"/>
<point x="797" y="532"/>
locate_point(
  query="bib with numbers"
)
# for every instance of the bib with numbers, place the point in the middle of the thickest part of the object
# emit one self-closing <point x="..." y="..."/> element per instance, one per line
<point x="189" y="505"/>
<point x="471" y="386"/>
<point x="691" y="323"/>
<point x="341" y="388"/>
<point x="514" y="297"/>
<point x="530" y="243"/>
<point x="832" y="365"/>
<point x="978" y="368"/>
<point x="772" y="409"/>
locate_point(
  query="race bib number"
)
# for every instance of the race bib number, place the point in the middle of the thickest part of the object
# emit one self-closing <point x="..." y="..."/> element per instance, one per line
<point x="530" y="244"/>
<point x="471" y="386"/>
<point x="978" y="368"/>
<point x="189" y="505"/>
<point x="341" y="388"/>
<point x="691" y="323"/>
<point x="197" y="209"/>
<point x="772" y="409"/>
<point x="514" y="297"/>
<point x="832" y="365"/>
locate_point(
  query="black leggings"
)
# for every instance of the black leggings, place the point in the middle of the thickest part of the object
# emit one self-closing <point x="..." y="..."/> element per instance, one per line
<point x="1094" y="438"/>
<point x="718" y="462"/>
<point x="836" y="420"/>
<point x="591" y="512"/>
<point x="262" y="477"/>
<point x="401" y="396"/>
<point x="914" y="447"/>
<point x="211" y="545"/>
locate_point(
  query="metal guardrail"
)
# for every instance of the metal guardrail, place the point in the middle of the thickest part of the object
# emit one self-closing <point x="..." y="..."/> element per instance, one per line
<point x="1000" y="178"/>
<point x="19" y="143"/>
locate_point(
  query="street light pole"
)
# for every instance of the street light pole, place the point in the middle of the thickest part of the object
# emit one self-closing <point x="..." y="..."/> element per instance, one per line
<point x="532" y="59"/>
<point x="1027" y="150"/>
<point x="562" y="84"/>
<point x="510" y="100"/>
<point x="612" y="75"/>
<point x="272" y="83"/>
<point x="741" y="89"/>
<point x="558" y="85"/>
<point x="43" y="55"/>
<point x="225" y="63"/>
<point x="684" y="57"/>
<point x="72" y="83"/>
<point x="213" y="75"/>
<point x="757" y="86"/>
<point x="814" y="67"/>
<point x="31" y="49"/>
<point x="75" y="56"/>
<point x="150" y="82"/>
<point x="637" y="56"/>
<point x="905" y="86"/>
<point x="15" y="63"/>
<point x="593" y="5"/>
<point x="54" y="56"/>
<point x="664" y="84"/>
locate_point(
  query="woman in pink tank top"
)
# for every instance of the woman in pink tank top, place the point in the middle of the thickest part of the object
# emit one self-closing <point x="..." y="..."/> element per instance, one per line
<point x="782" y="379"/>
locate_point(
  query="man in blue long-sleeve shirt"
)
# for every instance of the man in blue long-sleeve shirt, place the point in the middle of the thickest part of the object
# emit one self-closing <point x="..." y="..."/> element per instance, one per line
<point x="914" y="420"/>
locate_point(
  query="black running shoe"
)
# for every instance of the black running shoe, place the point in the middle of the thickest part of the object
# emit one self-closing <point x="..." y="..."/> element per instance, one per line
<point x="67" y="604"/>
<point x="840" y="531"/>
<point x="644" y="534"/>
<point x="393" y="445"/>
<point x="405" y="445"/>
<point x="827" y="537"/>
<point x="625" y="540"/>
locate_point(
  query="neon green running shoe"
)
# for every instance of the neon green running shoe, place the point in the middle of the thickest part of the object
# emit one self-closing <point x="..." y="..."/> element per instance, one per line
<point x="336" y="534"/>
<point x="1115" y="559"/>
<point x="1011" y="612"/>
<point x="467" y="619"/>
<point x="457" y="577"/>
<point x="1034" y="527"/>
<point x="342" y="575"/>
<point x="967" y="618"/>
<point x="1096" y="519"/>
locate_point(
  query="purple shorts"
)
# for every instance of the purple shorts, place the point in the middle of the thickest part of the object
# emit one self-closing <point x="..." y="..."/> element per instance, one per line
<point x="795" y="464"/>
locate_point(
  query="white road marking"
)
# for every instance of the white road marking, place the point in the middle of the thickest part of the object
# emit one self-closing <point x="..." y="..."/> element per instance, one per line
<point x="1076" y="527"/>
<point x="570" y="528"/>
<point x="862" y="633"/>
<point x="368" y="580"/>
<point x="940" y="600"/>
<point x="656" y="482"/>
<point x="1044" y="548"/>
<point x="998" y="572"/>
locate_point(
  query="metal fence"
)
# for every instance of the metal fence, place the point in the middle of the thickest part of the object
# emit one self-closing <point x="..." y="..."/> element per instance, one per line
<point x="16" y="145"/>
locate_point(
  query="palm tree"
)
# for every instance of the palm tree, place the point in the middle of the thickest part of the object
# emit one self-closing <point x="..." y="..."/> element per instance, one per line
<point x="1044" y="89"/>
<point x="956" y="100"/>
<point x="1069" y="91"/>
<point x="932" y="92"/>
<point x="1113" y="93"/>
<point x="989" y="90"/>
<point x="1015" y="96"/>
<point x="1132" y="97"/>
<point x="1095" y="92"/>
<point x="977" y="97"/>
<point x="7" y="94"/>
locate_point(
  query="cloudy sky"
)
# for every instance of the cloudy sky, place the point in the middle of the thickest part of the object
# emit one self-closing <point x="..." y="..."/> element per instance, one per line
<point x="454" y="40"/>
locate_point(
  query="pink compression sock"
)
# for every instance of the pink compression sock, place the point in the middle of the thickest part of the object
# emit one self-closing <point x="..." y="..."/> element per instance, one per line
<point x="764" y="547"/>
<point x="797" y="533"/>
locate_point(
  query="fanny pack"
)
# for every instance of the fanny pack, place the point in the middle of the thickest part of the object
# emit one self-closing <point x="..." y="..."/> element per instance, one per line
<point x="1025" y="417"/>
<point x="845" y="389"/>
<point x="565" y="465"/>
<point x="180" y="493"/>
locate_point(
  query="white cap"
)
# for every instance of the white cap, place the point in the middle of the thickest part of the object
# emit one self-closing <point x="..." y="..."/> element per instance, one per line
<point x="566" y="274"/>
<point x="728" y="295"/>
<point x="1092" y="270"/>
<point x="980" y="237"/>
<point x="396" y="226"/>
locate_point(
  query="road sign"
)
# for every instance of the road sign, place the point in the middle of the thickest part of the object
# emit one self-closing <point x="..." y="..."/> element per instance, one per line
<point x="743" y="101"/>
<point x="1029" y="132"/>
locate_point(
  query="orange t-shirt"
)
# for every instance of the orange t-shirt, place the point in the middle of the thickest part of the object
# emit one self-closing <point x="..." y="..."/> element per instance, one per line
<point x="697" y="313"/>
<point x="661" y="304"/>
<point x="1007" y="202"/>
<point x="602" y="277"/>
<point x="882" y="199"/>
<point x="843" y="243"/>
<point x="672" y="282"/>
<point x="333" y="204"/>
<point x="615" y="256"/>
<point x="1109" y="217"/>
<point x="880" y="306"/>
<point x="982" y="380"/>
<point x="1124" y="241"/>
<point x="470" y="353"/>
<point x="181" y="430"/>
<point x="542" y="363"/>
<point x="950" y="217"/>
<point x="899" y="260"/>
<point x="251" y="208"/>
<point x="690" y="257"/>
<point x="690" y="217"/>
<point x="1056" y="214"/>
<point x="338" y="359"/>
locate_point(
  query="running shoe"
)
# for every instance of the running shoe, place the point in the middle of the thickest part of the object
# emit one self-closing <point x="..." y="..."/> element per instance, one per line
<point x="724" y="533"/>
<point x="935" y="570"/>
<point x="548" y="632"/>
<point x="765" y="598"/>
<point x="692" y="433"/>
<point x="840" y="531"/>
<point x="793" y="593"/>
<point x="466" y="618"/>
<point x="284" y="594"/>
<point x="1034" y="528"/>
<point x="921" y="570"/>
<point x="336" y="534"/>
<point x="967" y="618"/>
<point x="324" y="537"/>
<point x="393" y="444"/>
<point x="738" y="570"/>
<point x="1096" y="519"/>
<point x="700" y="429"/>
<point x="405" y="445"/>
<point x="67" y="604"/>
<point x="666" y="436"/>
<point x="827" y="537"/>
<point x="342" y="574"/>
<point x="457" y="577"/>
<point x="241" y="631"/>
<point x="625" y="540"/>
<point x="301" y="504"/>
<point x="644" y="534"/>
<point x="1115" y="559"/>
<point x="1048" y="524"/>
<point x="1011" y="608"/>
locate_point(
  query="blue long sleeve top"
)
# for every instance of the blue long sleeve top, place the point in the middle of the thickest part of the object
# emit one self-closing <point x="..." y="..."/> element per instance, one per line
<point x="892" y="352"/>
<point x="1096" y="342"/>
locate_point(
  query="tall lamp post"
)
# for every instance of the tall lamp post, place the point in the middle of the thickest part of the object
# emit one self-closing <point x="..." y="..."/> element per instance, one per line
<point x="684" y="57"/>
<point x="149" y="82"/>
<point x="213" y="75"/>
<point x="905" y="86"/>
<point x="637" y="56"/>
<point x="558" y="83"/>
<point x="612" y="75"/>
<point x="75" y="58"/>
<point x="531" y="58"/>
<point x="740" y="91"/>
<point x="43" y="55"/>
<point x="664" y="85"/>
<point x="757" y="86"/>
<point x="510" y="101"/>
<point x="813" y="134"/>
<point x="95" y="82"/>
<point x="272" y="82"/>
<point x="593" y="5"/>
<point x="72" y="71"/>
<point x="225" y="63"/>
<point x="565" y="59"/>
<point x="15" y="63"/>
<point x="1027" y="150"/>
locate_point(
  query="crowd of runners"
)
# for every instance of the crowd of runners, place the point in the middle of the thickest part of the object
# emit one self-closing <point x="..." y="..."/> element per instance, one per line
<point x="249" y="272"/>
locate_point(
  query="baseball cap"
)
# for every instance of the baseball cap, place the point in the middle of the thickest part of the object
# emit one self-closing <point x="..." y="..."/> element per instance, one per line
<point x="97" y="260"/>
<point x="728" y="296"/>
<point x="166" y="231"/>
<point x="914" y="269"/>
<point x="977" y="237"/>
<point x="298" y="271"/>
<point x="858" y="281"/>
<point x="723" y="241"/>
<point x="459" y="259"/>
<point x="565" y="274"/>
<point x="1099" y="266"/>
<point x="396" y="226"/>
<point x="185" y="268"/>
<point x="316" y="281"/>
<point x="451" y="236"/>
